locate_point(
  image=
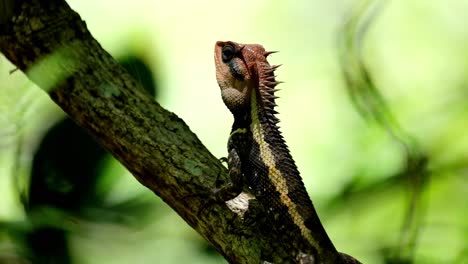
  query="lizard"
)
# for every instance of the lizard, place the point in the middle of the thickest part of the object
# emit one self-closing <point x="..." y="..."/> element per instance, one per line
<point x="257" y="152"/>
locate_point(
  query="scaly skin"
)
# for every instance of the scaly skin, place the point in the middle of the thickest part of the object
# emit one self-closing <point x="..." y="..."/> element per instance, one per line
<point x="257" y="152"/>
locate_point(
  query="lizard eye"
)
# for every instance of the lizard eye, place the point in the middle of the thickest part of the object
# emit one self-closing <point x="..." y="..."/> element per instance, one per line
<point x="228" y="53"/>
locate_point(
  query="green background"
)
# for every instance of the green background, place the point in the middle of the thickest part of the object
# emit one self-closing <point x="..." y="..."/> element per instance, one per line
<point x="417" y="52"/>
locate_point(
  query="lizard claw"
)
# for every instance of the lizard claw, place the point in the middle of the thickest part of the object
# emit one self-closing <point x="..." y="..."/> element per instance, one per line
<point x="223" y="160"/>
<point x="303" y="258"/>
<point x="218" y="195"/>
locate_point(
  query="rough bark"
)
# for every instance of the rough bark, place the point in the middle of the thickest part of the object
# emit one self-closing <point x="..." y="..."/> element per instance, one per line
<point x="51" y="44"/>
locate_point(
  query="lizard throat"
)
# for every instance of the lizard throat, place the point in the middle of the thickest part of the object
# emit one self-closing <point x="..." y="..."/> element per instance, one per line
<point x="275" y="175"/>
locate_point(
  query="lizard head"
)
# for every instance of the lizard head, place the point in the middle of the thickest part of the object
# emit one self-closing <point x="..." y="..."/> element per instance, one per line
<point x="236" y="72"/>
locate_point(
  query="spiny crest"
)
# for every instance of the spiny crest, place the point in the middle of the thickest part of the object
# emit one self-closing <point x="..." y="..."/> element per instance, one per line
<point x="266" y="91"/>
<point x="267" y="84"/>
<point x="267" y="53"/>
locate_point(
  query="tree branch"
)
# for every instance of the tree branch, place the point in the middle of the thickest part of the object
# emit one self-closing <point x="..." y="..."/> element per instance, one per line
<point x="51" y="44"/>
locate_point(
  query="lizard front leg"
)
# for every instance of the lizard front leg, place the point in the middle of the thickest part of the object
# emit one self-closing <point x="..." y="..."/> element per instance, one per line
<point x="233" y="188"/>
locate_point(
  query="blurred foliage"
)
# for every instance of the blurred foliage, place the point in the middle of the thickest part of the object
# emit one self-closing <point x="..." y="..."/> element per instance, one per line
<point x="371" y="105"/>
<point x="377" y="125"/>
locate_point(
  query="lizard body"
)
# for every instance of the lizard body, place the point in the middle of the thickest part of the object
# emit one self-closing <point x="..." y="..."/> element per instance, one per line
<point x="257" y="152"/>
